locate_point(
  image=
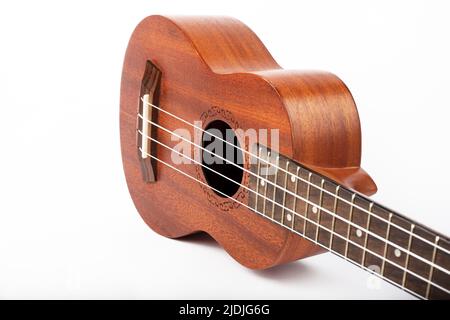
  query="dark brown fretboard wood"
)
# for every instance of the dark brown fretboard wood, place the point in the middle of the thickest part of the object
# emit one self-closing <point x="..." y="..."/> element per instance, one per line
<point x="350" y="225"/>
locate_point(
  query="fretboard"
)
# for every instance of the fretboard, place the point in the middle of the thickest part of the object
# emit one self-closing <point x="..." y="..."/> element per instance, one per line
<point x="350" y="225"/>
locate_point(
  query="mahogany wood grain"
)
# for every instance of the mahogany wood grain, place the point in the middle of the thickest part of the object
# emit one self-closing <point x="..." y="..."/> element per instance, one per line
<point x="218" y="62"/>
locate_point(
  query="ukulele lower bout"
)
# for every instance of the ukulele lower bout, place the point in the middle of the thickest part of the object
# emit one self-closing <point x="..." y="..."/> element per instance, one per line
<point x="193" y="92"/>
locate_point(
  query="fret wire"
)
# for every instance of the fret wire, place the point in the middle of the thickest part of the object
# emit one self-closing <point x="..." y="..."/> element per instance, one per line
<point x="275" y="186"/>
<point x="265" y="185"/>
<point x="334" y="218"/>
<point x="352" y="205"/>
<point x="407" y="256"/>
<point x="430" y="276"/>
<point x="367" y="234"/>
<point x="284" y="193"/>
<point x="386" y="244"/>
<point x="295" y="231"/>
<point x="295" y="198"/>
<point x="306" y="203"/>
<point x="257" y="179"/>
<point x="250" y="153"/>
<point x="320" y="205"/>
<point x="349" y="227"/>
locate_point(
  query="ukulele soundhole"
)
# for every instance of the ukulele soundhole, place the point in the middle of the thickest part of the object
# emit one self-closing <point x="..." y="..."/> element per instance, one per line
<point x="219" y="165"/>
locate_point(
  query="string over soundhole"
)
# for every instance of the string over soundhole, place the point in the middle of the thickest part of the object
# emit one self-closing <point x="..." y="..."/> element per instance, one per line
<point x="222" y="164"/>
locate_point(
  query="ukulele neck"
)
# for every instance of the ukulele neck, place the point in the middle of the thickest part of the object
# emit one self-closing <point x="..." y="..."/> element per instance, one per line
<point x="350" y="225"/>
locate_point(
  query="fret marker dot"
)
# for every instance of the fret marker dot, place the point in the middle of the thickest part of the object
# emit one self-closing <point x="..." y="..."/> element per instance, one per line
<point x="314" y="209"/>
<point x="397" y="253"/>
<point x="288" y="217"/>
<point x="358" y="233"/>
<point x="292" y="178"/>
<point x="262" y="183"/>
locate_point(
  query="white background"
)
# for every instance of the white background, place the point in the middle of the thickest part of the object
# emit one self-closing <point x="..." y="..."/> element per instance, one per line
<point x="68" y="228"/>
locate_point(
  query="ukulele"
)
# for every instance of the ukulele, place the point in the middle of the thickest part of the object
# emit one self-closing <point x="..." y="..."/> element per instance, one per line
<point x="216" y="137"/>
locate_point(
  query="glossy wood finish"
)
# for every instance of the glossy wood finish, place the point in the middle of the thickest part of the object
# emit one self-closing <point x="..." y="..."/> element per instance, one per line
<point x="217" y="68"/>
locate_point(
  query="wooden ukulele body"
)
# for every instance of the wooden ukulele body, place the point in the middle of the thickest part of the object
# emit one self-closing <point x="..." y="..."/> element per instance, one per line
<point x="215" y="68"/>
